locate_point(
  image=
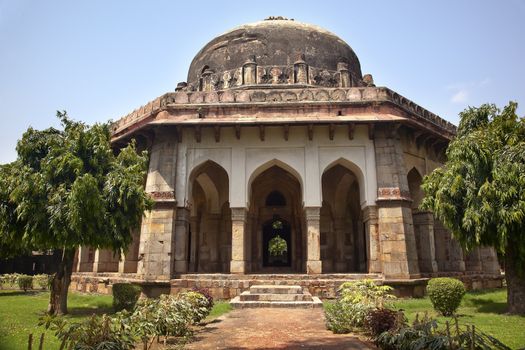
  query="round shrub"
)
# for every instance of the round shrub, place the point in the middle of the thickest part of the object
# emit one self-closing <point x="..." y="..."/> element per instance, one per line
<point x="25" y="282"/>
<point x="445" y="294"/>
<point x="125" y="296"/>
<point x="205" y="292"/>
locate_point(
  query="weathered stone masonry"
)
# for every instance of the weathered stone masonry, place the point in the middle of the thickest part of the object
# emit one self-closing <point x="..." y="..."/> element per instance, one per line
<point x="277" y="132"/>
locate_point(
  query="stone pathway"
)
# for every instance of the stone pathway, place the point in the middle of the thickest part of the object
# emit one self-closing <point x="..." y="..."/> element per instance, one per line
<point x="272" y="329"/>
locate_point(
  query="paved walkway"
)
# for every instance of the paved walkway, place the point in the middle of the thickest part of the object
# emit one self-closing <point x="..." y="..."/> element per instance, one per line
<point x="272" y="329"/>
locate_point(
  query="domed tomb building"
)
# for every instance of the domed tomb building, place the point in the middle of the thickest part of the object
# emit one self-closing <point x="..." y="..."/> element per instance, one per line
<point x="278" y="161"/>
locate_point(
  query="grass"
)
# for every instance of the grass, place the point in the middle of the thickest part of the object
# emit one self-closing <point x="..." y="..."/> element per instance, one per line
<point x="484" y="309"/>
<point x="19" y="314"/>
<point x="219" y="308"/>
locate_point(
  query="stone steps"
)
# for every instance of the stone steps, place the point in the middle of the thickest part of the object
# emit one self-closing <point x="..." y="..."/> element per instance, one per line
<point x="275" y="296"/>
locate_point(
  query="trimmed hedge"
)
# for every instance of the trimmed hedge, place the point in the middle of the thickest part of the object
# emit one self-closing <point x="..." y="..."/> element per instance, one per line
<point x="125" y="296"/>
<point x="445" y="294"/>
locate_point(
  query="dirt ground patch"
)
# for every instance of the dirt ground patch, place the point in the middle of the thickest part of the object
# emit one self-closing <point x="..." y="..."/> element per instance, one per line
<point x="272" y="329"/>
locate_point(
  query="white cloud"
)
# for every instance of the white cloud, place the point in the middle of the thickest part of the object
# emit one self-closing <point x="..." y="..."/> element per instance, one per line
<point x="463" y="91"/>
<point x="460" y="97"/>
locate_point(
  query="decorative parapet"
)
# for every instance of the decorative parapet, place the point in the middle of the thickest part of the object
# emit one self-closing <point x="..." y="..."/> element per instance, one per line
<point x="279" y="96"/>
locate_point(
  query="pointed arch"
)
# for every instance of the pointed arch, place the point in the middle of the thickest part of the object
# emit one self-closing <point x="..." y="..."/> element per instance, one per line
<point x="267" y="165"/>
<point x="355" y="169"/>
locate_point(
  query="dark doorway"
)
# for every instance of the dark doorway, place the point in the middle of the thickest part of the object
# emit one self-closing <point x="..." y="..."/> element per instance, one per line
<point x="272" y="231"/>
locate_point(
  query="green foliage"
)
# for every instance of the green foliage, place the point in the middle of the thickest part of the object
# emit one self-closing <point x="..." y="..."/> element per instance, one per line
<point x="425" y="334"/>
<point x="68" y="188"/>
<point x="206" y="293"/>
<point x="277" y="246"/>
<point x="365" y="292"/>
<point x="356" y="300"/>
<point x="125" y="296"/>
<point x="10" y="279"/>
<point x="339" y="316"/>
<point x="479" y="194"/>
<point x="445" y="294"/>
<point x="25" y="282"/>
<point x="95" y="333"/>
<point x="43" y="281"/>
<point x="200" y="305"/>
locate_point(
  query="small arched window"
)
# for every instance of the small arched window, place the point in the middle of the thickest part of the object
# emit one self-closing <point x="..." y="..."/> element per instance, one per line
<point x="275" y="199"/>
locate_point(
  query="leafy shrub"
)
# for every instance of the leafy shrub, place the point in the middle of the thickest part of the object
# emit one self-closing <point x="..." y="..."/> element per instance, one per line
<point x="425" y="334"/>
<point x="95" y="333"/>
<point x="200" y="306"/>
<point x="340" y="317"/>
<point x="43" y="281"/>
<point x="355" y="301"/>
<point x="206" y="293"/>
<point x="381" y="320"/>
<point x="125" y="296"/>
<point x="445" y="294"/>
<point x="365" y="292"/>
<point x="25" y="282"/>
<point x="10" y="279"/>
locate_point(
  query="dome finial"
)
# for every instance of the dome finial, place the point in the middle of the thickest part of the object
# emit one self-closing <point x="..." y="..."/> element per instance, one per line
<point x="278" y="18"/>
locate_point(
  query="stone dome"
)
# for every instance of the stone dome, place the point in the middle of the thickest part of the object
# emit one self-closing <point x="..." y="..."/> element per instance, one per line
<point x="274" y="43"/>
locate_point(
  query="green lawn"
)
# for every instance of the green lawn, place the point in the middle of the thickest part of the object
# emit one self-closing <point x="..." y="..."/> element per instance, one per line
<point x="19" y="313"/>
<point x="484" y="309"/>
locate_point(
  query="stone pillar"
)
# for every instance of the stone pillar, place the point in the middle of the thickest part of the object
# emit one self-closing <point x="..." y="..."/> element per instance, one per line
<point x="373" y="246"/>
<point x="85" y="259"/>
<point x="300" y="71"/>
<point x="129" y="261"/>
<point x="238" y="262"/>
<point x="489" y="261"/>
<point x="473" y="261"/>
<point x="206" y="83"/>
<point x="182" y="230"/>
<point x="344" y="76"/>
<point x="424" y="231"/>
<point x="313" y="244"/>
<point x="194" y="246"/>
<point x="249" y="71"/>
<point x="396" y="231"/>
<point x="449" y="254"/>
<point x="105" y="261"/>
<point x="157" y="243"/>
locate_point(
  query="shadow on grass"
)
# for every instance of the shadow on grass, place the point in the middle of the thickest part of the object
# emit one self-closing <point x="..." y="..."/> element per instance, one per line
<point x="13" y="293"/>
<point x="80" y="312"/>
<point x="488" y="306"/>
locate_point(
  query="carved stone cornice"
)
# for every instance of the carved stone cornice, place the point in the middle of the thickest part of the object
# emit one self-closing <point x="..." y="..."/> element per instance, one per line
<point x="389" y="194"/>
<point x="274" y="96"/>
<point x="163" y="196"/>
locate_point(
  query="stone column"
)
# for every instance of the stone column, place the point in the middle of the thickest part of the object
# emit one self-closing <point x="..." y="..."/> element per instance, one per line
<point x="473" y="261"/>
<point x="489" y="261"/>
<point x="105" y="261"/>
<point x="182" y="229"/>
<point x="424" y="231"/>
<point x="129" y="260"/>
<point x="238" y="262"/>
<point x="313" y="244"/>
<point x="373" y="246"/>
<point x="157" y="243"/>
<point x="194" y="245"/>
<point x="449" y="254"/>
<point x="396" y="231"/>
<point x="85" y="262"/>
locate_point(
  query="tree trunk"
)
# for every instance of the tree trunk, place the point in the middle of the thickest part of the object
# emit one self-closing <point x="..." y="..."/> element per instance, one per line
<point x="60" y="284"/>
<point x="515" y="278"/>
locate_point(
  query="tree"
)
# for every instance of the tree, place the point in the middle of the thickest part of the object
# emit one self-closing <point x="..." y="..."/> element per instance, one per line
<point x="68" y="189"/>
<point x="479" y="194"/>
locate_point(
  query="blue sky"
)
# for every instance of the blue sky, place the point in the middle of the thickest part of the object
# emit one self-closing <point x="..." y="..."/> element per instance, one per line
<point x="101" y="59"/>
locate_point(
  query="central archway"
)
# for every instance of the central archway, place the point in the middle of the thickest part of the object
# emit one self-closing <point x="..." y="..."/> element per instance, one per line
<point x="275" y="197"/>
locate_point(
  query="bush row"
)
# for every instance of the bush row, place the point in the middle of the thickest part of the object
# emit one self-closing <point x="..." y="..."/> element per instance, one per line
<point x="145" y="321"/>
<point x="364" y="306"/>
<point x="25" y="282"/>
